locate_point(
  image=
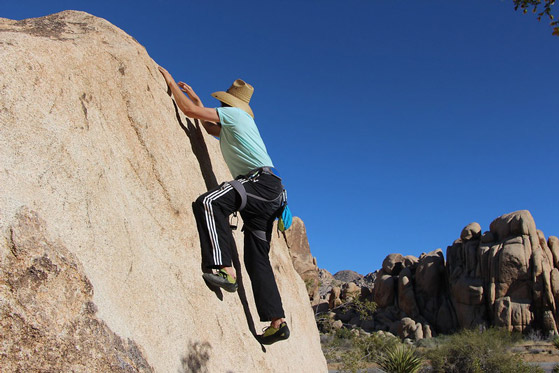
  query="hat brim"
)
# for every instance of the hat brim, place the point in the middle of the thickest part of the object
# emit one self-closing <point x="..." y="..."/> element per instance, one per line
<point x="231" y="100"/>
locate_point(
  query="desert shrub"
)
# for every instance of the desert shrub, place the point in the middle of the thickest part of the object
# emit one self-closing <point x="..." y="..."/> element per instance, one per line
<point x="335" y="347"/>
<point x="367" y="349"/>
<point x="351" y="352"/>
<point x="534" y="336"/>
<point x="365" y="308"/>
<point x="400" y="359"/>
<point x="351" y="361"/>
<point x="471" y="351"/>
<point x="344" y="333"/>
<point x="362" y="307"/>
<point x="375" y="345"/>
<point x="555" y="341"/>
<point x="310" y="284"/>
<point x="555" y="368"/>
<point x="324" y="322"/>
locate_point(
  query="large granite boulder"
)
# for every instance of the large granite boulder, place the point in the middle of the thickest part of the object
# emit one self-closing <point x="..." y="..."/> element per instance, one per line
<point x="516" y="267"/>
<point x="406" y="293"/>
<point x="432" y="291"/>
<point x="385" y="289"/>
<point x="350" y="291"/>
<point x="553" y="244"/>
<point x="303" y="261"/>
<point x="48" y="319"/>
<point x="393" y="264"/>
<point x="99" y="252"/>
<point x="465" y="281"/>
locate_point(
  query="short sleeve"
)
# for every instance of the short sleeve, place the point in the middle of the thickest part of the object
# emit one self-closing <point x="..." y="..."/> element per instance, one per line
<point x="228" y="116"/>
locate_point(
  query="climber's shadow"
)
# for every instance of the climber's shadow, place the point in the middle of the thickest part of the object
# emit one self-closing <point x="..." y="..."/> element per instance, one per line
<point x="197" y="357"/>
<point x="242" y="292"/>
<point x="199" y="148"/>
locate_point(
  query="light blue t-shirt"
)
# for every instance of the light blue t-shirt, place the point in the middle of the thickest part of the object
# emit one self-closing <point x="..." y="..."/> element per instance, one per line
<point x="240" y="142"/>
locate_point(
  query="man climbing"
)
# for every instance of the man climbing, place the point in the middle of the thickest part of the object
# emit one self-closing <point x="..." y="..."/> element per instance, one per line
<point x="257" y="192"/>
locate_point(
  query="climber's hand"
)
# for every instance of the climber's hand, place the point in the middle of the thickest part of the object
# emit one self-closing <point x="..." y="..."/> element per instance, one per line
<point x="166" y="75"/>
<point x="190" y="93"/>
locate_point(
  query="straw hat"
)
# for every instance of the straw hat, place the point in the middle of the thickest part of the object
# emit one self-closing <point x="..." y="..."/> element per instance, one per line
<point x="238" y="95"/>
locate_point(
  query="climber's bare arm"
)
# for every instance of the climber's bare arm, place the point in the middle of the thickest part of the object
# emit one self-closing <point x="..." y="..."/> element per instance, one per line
<point x="190" y="93"/>
<point x="187" y="106"/>
<point x="212" y="128"/>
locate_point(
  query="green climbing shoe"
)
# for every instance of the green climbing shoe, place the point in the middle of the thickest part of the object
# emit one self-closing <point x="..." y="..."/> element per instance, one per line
<point x="272" y="335"/>
<point x="222" y="279"/>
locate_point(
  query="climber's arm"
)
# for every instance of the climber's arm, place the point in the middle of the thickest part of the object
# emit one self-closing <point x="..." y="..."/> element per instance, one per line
<point x="190" y="93"/>
<point x="212" y="128"/>
<point x="188" y="107"/>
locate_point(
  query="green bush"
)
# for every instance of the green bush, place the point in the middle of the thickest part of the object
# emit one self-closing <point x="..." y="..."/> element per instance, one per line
<point x="365" y="308"/>
<point x="351" y="361"/>
<point x="351" y="352"/>
<point x="344" y="333"/>
<point x="362" y="307"/>
<point x="556" y="341"/>
<point x="324" y="322"/>
<point x="471" y="351"/>
<point x="375" y="345"/>
<point x="401" y="359"/>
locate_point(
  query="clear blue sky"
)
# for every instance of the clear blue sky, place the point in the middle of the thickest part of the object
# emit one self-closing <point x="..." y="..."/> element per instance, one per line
<point x="394" y="123"/>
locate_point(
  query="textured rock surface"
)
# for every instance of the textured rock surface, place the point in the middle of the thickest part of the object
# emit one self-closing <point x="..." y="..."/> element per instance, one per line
<point x="347" y="275"/>
<point x="47" y="317"/>
<point x="350" y="291"/>
<point x="303" y="261"/>
<point x="98" y="247"/>
<point x="393" y="264"/>
<point x="326" y="282"/>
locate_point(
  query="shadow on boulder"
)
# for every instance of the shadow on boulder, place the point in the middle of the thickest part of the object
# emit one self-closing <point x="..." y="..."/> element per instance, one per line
<point x="197" y="358"/>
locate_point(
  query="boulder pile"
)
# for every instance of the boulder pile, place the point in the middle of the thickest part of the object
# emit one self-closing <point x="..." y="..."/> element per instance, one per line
<point x="506" y="277"/>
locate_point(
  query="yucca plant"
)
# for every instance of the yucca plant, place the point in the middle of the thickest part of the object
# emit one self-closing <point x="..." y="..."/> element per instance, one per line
<point x="400" y="359"/>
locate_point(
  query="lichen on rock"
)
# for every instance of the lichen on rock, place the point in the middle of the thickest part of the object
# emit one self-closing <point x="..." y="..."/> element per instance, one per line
<point x="47" y="316"/>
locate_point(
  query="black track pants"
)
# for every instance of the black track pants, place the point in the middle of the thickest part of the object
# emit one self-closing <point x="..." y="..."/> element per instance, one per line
<point x="212" y="211"/>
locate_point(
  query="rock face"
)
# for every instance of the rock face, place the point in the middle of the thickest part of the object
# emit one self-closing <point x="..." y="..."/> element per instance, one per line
<point x="506" y="277"/>
<point x="99" y="252"/>
<point x="47" y="309"/>
<point x="326" y="280"/>
<point x="303" y="261"/>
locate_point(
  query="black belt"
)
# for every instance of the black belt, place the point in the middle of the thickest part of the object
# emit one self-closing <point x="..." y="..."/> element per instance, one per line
<point x="269" y="170"/>
<point x="261" y="170"/>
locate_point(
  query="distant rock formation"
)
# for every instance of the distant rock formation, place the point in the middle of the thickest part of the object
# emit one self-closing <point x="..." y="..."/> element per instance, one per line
<point x="506" y="277"/>
<point x="326" y="280"/>
<point x="339" y="289"/>
<point x="347" y="276"/>
<point x="99" y="252"/>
